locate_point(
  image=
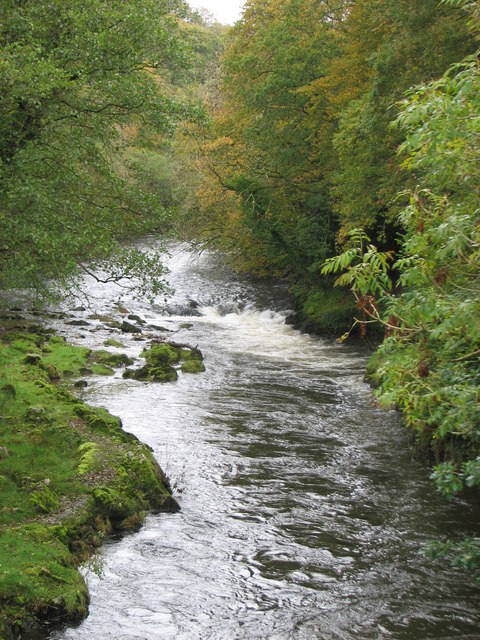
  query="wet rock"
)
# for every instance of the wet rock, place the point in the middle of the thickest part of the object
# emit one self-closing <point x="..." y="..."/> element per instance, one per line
<point x="182" y="310"/>
<point x="101" y="318"/>
<point x="78" y="323"/>
<point x="165" y="373"/>
<point x="112" y="359"/>
<point x="159" y="328"/>
<point x="136" y="374"/>
<point x="128" y="327"/>
<point x="111" y="342"/>
<point x="122" y="309"/>
<point x="81" y="384"/>
<point x="136" y="319"/>
<point x="113" y="324"/>
<point x="170" y="505"/>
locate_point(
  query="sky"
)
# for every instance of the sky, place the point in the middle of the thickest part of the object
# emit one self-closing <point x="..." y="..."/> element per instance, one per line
<point x="225" y="11"/>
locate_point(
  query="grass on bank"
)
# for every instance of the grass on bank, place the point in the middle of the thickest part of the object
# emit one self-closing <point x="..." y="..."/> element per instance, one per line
<point x="69" y="475"/>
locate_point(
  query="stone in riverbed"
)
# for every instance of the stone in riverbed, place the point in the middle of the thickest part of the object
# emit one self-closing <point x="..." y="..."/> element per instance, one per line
<point x="128" y="327"/>
<point x="78" y="323"/>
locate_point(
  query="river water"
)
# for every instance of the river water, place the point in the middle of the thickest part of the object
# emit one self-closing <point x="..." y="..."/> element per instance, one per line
<point x="303" y="512"/>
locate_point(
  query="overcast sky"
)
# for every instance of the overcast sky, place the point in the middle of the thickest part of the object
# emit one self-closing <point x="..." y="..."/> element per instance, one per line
<point x="225" y="11"/>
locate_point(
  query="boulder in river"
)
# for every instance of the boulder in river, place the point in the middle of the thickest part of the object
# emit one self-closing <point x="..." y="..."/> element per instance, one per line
<point x="128" y="327"/>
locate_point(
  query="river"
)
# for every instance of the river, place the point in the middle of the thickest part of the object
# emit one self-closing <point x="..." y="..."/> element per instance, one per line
<point x="303" y="510"/>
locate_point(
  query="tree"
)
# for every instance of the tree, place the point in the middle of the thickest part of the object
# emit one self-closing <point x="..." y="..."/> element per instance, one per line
<point x="77" y="81"/>
<point x="389" y="47"/>
<point x="269" y="131"/>
<point x="429" y="363"/>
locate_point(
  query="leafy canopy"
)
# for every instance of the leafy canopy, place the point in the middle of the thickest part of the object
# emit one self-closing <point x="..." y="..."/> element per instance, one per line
<point x="78" y="82"/>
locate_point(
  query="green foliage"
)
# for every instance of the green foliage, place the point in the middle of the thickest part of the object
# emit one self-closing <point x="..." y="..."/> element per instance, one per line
<point x="76" y="82"/>
<point x="324" y="310"/>
<point x="390" y="48"/>
<point x="429" y="364"/>
<point x="464" y="554"/>
<point x="365" y="268"/>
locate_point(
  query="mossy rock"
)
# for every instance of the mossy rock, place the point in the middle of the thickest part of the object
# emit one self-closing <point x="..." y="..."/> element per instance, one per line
<point x="137" y="374"/>
<point x="113" y="504"/>
<point x="102" y="370"/>
<point x="112" y="359"/>
<point x="111" y="342"/>
<point x="161" y="354"/>
<point x="193" y="366"/>
<point x="8" y="391"/>
<point x="191" y="354"/>
<point x="163" y="374"/>
<point x="50" y="369"/>
<point x="37" y="415"/>
<point x="101" y="419"/>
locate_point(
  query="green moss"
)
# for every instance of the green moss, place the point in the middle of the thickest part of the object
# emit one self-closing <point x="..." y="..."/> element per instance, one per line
<point x="68" y="473"/>
<point x="140" y="374"/>
<point x="67" y="359"/>
<point x="98" y="419"/>
<point x="161" y="354"/>
<point x="112" y="359"/>
<point x="89" y="457"/>
<point x="328" y="311"/>
<point x="45" y="499"/>
<point x="193" y="366"/>
<point x="191" y="354"/>
<point x="37" y="576"/>
<point x="102" y="370"/>
<point x="161" y="373"/>
<point x="111" y="342"/>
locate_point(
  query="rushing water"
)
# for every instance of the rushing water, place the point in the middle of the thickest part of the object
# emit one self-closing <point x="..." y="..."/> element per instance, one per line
<point x="303" y="511"/>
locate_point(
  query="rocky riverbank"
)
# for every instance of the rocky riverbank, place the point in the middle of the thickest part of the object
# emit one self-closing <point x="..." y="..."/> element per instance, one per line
<point x="69" y="476"/>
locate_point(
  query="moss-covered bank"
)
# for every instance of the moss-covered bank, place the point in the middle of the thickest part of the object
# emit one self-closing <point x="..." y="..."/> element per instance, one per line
<point x="69" y="476"/>
<point x="323" y="309"/>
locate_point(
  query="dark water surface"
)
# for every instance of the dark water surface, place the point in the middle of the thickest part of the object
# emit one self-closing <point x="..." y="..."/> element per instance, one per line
<point x="303" y="509"/>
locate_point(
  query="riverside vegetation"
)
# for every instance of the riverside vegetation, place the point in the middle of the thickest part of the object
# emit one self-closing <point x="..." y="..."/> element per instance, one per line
<point x="69" y="474"/>
<point x="324" y="128"/>
<point x="344" y="139"/>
